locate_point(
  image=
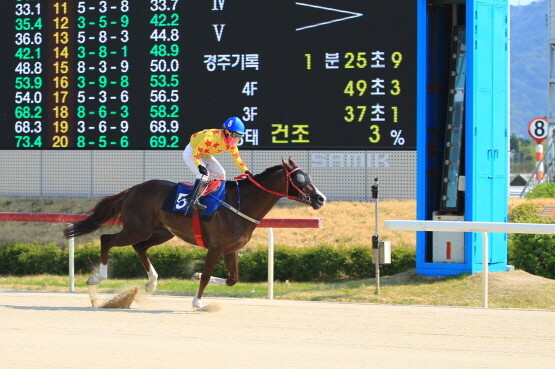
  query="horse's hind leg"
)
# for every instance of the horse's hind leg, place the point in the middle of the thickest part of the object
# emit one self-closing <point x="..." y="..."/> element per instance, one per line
<point x="102" y="272"/>
<point x="160" y="235"/>
<point x="107" y="241"/>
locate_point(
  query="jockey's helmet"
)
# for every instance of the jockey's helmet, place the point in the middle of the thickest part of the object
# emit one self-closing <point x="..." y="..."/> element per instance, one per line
<point x="235" y="124"/>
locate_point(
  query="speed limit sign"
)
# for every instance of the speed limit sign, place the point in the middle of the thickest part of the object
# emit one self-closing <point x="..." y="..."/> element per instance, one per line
<point x="537" y="129"/>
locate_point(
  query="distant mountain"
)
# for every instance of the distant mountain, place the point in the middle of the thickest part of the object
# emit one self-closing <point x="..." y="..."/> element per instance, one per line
<point x="529" y="65"/>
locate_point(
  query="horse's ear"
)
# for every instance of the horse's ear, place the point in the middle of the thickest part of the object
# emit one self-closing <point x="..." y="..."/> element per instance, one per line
<point x="286" y="164"/>
<point x="292" y="163"/>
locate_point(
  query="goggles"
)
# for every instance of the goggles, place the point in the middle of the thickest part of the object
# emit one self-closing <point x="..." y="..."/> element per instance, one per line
<point x="235" y="134"/>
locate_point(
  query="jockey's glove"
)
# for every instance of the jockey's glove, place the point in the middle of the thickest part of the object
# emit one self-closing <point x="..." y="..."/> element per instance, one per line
<point x="202" y="170"/>
<point x="248" y="173"/>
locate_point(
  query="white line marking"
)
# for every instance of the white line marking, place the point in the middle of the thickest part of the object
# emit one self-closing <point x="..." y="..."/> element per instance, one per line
<point x="351" y="16"/>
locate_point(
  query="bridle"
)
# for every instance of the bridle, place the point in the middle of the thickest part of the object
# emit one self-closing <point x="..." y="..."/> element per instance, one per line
<point x="301" y="197"/>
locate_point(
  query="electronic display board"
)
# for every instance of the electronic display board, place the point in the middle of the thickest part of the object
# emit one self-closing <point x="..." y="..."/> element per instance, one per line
<point x="130" y="74"/>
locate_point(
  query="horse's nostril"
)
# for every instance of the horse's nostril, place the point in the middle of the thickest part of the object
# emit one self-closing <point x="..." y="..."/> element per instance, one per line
<point x="321" y="199"/>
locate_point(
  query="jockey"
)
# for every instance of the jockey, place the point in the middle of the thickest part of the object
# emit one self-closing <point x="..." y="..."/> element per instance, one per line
<point x="199" y="155"/>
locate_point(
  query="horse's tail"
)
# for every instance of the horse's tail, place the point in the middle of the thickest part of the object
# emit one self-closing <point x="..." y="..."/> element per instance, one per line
<point x="106" y="209"/>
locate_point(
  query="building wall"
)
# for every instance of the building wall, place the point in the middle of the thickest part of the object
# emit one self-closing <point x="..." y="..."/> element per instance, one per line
<point x="340" y="175"/>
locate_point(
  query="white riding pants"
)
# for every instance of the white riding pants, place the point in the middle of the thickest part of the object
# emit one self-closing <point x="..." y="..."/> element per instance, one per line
<point x="215" y="169"/>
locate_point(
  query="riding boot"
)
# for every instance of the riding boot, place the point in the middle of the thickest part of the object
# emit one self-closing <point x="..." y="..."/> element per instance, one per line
<point x="195" y="195"/>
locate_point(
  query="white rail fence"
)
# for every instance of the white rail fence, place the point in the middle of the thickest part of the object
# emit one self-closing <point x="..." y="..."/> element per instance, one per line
<point x="269" y="223"/>
<point x="483" y="227"/>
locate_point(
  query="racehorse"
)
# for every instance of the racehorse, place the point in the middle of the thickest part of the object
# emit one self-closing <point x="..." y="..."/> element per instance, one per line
<point x="145" y="224"/>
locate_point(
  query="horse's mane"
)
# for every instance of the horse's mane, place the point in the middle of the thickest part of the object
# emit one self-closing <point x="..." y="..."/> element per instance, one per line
<point x="260" y="176"/>
<point x="268" y="171"/>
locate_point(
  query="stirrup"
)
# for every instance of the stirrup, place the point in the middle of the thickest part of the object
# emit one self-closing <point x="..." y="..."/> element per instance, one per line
<point x="198" y="205"/>
<point x="196" y="194"/>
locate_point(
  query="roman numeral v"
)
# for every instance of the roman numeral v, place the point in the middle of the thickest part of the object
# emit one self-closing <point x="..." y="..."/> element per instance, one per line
<point x="219" y="30"/>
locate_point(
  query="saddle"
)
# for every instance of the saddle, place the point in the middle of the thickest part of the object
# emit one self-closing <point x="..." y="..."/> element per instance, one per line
<point x="213" y="186"/>
<point x="212" y="195"/>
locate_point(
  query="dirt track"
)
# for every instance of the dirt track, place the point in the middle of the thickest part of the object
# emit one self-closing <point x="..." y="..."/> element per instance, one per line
<point x="61" y="330"/>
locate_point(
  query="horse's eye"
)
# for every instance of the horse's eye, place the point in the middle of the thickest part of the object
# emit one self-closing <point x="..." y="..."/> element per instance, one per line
<point x="300" y="178"/>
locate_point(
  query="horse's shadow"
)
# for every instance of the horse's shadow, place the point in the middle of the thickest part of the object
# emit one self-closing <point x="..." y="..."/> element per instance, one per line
<point x="86" y="309"/>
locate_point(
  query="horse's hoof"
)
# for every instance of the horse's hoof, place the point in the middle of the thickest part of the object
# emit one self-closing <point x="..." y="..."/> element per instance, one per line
<point x="150" y="287"/>
<point x="197" y="304"/>
<point x="94" y="279"/>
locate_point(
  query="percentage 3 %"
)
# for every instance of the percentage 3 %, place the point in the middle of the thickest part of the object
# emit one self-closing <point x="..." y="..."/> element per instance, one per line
<point x="397" y="138"/>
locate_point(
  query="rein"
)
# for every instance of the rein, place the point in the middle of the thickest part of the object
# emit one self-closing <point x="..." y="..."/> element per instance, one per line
<point x="288" y="181"/>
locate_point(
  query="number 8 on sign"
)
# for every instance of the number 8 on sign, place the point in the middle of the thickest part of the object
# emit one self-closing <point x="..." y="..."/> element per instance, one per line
<point x="537" y="129"/>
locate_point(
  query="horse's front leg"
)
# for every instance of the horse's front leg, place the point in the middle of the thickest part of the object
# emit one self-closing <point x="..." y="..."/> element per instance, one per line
<point x="209" y="264"/>
<point x="232" y="270"/>
<point x="213" y="280"/>
<point x="232" y="266"/>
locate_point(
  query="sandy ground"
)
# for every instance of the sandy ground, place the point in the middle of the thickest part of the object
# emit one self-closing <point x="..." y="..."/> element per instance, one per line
<point x="62" y="330"/>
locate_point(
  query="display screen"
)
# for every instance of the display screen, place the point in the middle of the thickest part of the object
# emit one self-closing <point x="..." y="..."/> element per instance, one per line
<point x="130" y="74"/>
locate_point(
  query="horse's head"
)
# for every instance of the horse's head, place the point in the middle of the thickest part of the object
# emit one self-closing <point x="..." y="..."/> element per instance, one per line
<point x="300" y="187"/>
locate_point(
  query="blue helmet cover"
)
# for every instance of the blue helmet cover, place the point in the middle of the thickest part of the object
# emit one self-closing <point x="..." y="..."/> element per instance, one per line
<point x="235" y="124"/>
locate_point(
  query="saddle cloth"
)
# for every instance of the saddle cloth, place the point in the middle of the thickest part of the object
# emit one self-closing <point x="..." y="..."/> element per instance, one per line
<point x="213" y="194"/>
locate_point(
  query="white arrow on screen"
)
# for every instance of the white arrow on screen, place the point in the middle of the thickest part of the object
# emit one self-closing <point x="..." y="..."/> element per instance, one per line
<point x="350" y="16"/>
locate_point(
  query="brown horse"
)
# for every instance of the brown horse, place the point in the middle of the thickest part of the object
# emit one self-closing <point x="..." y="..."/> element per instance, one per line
<point x="145" y="224"/>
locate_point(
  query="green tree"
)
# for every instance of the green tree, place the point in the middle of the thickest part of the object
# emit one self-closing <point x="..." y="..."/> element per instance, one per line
<point x="523" y="154"/>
